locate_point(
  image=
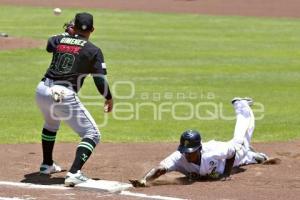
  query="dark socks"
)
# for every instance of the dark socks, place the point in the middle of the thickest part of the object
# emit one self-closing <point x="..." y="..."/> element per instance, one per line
<point x="48" y="140"/>
<point x="84" y="150"/>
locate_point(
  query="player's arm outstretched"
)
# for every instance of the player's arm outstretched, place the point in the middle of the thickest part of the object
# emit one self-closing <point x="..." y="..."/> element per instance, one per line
<point x="153" y="174"/>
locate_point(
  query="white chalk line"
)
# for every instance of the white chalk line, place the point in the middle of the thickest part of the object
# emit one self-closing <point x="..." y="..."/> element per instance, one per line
<point x="127" y="193"/>
<point x="12" y="198"/>
<point x="34" y="186"/>
<point x="61" y="187"/>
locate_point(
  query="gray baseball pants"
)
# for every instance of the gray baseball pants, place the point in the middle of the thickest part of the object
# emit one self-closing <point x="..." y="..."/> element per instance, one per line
<point x="59" y="103"/>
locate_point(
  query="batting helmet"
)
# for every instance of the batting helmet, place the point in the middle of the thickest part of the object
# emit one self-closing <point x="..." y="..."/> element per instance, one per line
<point x="190" y="141"/>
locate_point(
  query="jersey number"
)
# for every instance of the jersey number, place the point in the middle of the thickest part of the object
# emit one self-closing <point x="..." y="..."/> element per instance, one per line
<point x="62" y="62"/>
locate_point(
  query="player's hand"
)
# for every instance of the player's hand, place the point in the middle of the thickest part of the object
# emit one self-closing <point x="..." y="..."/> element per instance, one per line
<point x="69" y="27"/>
<point x="108" y="105"/>
<point x="193" y="176"/>
<point x="138" y="183"/>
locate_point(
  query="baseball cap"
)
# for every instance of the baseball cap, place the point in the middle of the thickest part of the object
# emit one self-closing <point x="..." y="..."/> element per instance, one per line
<point x="84" y="21"/>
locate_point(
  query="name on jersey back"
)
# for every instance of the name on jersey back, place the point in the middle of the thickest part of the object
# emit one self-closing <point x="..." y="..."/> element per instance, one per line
<point x="73" y="41"/>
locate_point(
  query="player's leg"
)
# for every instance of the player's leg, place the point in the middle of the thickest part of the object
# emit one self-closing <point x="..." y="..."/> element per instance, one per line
<point x="51" y="125"/>
<point x="250" y="130"/>
<point x="83" y="123"/>
<point x="243" y="133"/>
<point x="85" y="126"/>
<point x="244" y="127"/>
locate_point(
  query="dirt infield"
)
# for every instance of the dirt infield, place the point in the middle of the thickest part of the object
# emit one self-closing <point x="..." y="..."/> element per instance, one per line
<point x="9" y="43"/>
<point x="262" y="8"/>
<point x="120" y="162"/>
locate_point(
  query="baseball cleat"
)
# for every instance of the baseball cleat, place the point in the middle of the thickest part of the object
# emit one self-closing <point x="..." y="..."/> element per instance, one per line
<point x="49" y="169"/>
<point x="248" y="99"/>
<point x="73" y="179"/>
<point x="260" y="157"/>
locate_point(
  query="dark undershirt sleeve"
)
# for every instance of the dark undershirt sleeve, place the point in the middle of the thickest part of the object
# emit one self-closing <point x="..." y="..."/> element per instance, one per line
<point x="102" y="86"/>
<point x="228" y="166"/>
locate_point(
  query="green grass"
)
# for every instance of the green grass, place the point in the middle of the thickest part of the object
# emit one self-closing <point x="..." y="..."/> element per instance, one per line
<point x="213" y="58"/>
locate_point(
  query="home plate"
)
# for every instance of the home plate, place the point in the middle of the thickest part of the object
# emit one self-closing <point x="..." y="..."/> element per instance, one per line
<point x="104" y="185"/>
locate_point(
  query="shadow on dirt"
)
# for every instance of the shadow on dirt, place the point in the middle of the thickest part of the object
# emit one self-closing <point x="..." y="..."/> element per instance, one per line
<point x="187" y="181"/>
<point x="237" y="170"/>
<point x="37" y="178"/>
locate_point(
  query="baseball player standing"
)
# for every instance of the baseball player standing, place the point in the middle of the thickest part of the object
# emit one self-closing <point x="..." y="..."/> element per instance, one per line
<point x="74" y="57"/>
<point x="213" y="159"/>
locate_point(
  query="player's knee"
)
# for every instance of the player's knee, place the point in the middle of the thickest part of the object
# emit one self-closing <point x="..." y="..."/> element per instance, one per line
<point x="95" y="136"/>
<point x="51" y="127"/>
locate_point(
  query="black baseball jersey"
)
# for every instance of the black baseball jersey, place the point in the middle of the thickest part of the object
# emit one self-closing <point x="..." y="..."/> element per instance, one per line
<point x="73" y="58"/>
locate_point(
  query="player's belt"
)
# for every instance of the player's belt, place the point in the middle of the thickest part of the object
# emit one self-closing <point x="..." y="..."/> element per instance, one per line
<point x="49" y="82"/>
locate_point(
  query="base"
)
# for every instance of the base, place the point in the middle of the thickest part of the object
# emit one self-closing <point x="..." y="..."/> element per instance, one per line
<point x="104" y="185"/>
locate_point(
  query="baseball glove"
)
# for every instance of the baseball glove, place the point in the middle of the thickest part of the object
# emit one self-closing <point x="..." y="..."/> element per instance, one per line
<point x="69" y="27"/>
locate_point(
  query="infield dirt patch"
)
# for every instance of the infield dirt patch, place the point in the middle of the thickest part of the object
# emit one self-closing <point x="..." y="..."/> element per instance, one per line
<point x="120" y="162"/>
<point x="9" y="43"/>
<point x="268" y="8"/>
<point x="262" y="8"/>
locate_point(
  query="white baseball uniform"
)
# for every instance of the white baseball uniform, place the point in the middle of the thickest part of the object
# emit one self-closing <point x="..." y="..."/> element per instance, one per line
<point x="215" y="153"/>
